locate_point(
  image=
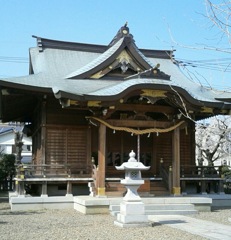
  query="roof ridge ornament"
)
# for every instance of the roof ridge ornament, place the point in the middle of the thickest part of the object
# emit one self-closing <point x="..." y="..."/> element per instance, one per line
<point x="39" y="43"/>
<point x="153" y="72"/>
<point x="123" y="32"/>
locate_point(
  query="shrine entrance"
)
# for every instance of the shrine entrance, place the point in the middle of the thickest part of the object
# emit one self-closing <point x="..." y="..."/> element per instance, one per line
<point x="119" y="144"/>
<point x="151" y="147"/>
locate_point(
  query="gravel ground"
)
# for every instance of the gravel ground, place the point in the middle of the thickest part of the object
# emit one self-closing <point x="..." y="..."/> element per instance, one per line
<point x="70" y="224"/>
<point x="217" y="215"/>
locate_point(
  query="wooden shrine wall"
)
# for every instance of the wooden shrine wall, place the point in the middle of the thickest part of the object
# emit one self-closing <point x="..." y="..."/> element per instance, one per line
<point x="62" y="138"/>
<point x="65" y="145"/>
<point x="69" y="139"/>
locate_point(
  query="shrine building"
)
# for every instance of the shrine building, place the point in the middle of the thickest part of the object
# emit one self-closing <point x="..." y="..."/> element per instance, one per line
<point x="87" y="106"/>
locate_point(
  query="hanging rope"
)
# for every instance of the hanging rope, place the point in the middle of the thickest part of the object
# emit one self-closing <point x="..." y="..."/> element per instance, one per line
<point x="138" y="148"/>
<point x="138" y="131"/>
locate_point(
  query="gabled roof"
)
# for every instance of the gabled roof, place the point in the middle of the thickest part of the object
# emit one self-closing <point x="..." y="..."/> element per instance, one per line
<point x="122" y="52"/>
<point x="86" y="72"/>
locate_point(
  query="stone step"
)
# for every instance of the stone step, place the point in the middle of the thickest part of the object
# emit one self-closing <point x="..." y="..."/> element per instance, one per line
<point x="161" y="209"/>
<point x="114" y="208"/>
<point x="169" y="207"/>
<point x="170" y="212"/>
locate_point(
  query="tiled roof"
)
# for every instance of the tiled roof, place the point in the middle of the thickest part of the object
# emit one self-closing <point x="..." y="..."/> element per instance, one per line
<point x="53" y="69"/>
<point x="8" y="128"/>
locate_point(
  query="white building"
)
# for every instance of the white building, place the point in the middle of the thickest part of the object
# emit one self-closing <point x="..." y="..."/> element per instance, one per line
<point x="7" y="141"/>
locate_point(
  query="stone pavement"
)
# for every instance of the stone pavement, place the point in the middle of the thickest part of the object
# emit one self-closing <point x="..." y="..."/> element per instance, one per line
<point x="206" y="229"/>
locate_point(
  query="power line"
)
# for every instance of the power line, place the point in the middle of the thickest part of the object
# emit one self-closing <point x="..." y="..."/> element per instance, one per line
<point x="222" y="65"/>
<point x="14" y="59"/>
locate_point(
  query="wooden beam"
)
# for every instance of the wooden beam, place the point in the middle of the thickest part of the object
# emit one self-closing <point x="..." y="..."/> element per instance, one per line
<point x="146" y="108"/>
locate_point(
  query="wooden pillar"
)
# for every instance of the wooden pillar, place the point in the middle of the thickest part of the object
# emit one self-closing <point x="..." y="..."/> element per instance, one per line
<point x="43" y="132"/>
<point x="176" y="190"/>
<point x="101" y="160"/>
<point x="89" y="163"/>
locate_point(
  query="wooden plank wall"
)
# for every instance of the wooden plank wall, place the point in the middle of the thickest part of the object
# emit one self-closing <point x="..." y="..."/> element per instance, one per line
<point x="67" y="135"/>
<point x="186" y="148"/>
<point x="67" y="146"/>
<point x="163" y="148"/>
<point x="63" y="116"/>
<point x="36" y="135"/>
<point x="187" y="145"/>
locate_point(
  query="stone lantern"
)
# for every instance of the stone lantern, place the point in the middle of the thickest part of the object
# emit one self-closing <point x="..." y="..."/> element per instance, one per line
<point x="132" y="212"/>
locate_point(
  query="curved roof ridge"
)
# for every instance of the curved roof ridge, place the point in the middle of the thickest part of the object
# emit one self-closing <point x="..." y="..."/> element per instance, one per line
<point x="122" y="40"/>
<point x="96" y="62"/>
<point x="118" y="88"/>
<point x="142" y="55"/>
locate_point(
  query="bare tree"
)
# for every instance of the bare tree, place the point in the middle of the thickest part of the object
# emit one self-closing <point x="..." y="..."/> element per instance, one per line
<point x="18" y="144"/>
<point x="220" y="16"/>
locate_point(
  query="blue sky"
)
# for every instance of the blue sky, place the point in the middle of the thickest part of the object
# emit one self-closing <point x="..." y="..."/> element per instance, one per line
<point x="155" y="24"/>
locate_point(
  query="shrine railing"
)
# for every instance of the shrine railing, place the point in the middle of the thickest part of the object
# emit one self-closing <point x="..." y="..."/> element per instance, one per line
<point x="206" y="179"/>
<point x="200" y="171"/>
<point x="7" y="184"/>
<point x="166" y="174"/>
<point x="53" y="170"/>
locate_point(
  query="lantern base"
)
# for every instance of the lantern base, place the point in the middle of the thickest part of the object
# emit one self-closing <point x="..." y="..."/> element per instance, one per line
<point x="132" y="214"/>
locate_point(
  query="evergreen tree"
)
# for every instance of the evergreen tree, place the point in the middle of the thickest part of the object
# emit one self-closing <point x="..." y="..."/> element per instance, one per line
<point x="7" y="166"/>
